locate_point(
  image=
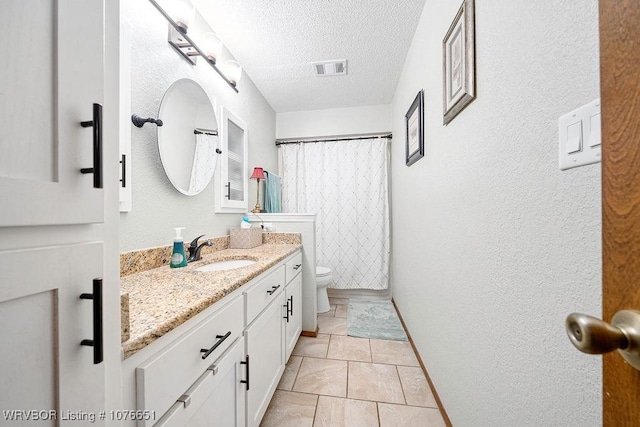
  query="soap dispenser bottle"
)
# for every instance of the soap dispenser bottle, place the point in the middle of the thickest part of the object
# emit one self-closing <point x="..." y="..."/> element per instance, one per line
<point x="178" y="258"/>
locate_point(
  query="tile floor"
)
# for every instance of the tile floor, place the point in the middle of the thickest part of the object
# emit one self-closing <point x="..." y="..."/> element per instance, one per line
<point x="335" y="380"/>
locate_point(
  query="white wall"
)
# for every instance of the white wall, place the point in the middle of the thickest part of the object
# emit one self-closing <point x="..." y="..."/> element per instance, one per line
<point x="334" y="122"/>
<point x="493" y="245"/>
<point x="157" y="206"/>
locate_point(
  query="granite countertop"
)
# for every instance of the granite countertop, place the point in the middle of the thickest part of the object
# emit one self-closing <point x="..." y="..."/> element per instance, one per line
<point x="163" y="298"/>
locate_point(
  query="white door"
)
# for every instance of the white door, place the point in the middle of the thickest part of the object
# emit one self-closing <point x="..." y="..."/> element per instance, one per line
<point x="293" y="315"/>
<point x="44" y="321"/>
<point x="233" y="178"/>
<point x="265" y="349"/>
<point x="52" y="74"/>
<point x="225" y="406"/>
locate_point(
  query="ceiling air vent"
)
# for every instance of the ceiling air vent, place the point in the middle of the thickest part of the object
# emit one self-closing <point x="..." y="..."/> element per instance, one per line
<point x="337" y="67"/>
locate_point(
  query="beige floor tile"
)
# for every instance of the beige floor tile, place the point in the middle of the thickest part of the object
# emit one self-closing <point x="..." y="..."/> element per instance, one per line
<point x="290" y="373"/>
<point x="336" y="412"/>
<point x="370" y="381"/>
<point x="409" y="416"/>
<point x="330" y="313"/>
<point x="393" y="352"/>
<point x="332" y="325"/>
<point x="341" y="310"/>
<point x="339" y="301"/>
<point x="349" y="348"/>
<point x="289" y="409"/>
<point x="322" y="376"/>
<point x="312" y="346"/>
<point x="415" y="386"/>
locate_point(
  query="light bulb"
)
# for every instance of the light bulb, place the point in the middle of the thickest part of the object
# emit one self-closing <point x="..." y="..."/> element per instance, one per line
<point x="211" y="46"/>
<point x="183" y="12"/>
<point x="233" y="71"/>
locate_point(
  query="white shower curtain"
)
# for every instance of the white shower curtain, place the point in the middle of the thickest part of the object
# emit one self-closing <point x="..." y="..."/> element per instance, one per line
<point x="346" y="184"/>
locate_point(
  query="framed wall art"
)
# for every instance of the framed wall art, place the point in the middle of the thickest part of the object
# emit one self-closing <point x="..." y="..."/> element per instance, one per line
<point x="414" y="129"/>
<point x="458" y="62"/>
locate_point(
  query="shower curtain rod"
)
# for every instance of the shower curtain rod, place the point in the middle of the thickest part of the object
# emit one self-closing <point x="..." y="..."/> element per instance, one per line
<point x="304" y="141"/>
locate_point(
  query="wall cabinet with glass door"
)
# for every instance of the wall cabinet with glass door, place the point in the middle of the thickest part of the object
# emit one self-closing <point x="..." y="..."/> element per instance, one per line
<point x="232" y="179"/>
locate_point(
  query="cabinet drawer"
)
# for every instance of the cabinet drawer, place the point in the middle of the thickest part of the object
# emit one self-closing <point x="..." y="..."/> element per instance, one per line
<point x="162" y="379"/>
<point x="263" y="292"/>
<point x="293" y="266"/>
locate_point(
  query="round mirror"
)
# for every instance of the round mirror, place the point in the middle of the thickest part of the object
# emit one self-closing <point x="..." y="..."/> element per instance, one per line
<point x="188" y="138"/>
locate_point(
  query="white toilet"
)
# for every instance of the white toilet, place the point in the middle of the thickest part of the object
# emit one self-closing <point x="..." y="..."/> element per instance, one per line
<point x="323" y="279"/>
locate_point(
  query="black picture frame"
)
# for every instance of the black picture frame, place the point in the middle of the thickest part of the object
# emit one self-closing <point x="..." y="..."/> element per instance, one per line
<point x="414" y="130"/>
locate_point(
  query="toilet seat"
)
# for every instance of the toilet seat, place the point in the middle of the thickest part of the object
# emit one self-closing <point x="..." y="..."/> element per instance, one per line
<point x="322" y="271"/>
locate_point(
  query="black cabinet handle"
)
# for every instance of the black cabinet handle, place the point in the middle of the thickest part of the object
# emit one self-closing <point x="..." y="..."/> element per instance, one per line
<point x="246" y="362"/>
<point x="273" y="289"/>
<point x="96" y="124"/>
<point x="228" y="196"/>
<point x="207" y="351"/>
<point x="286" y="311"/>
<point x="297" y="266"/>
<point x="290" y="309"/>
<point x="123" y="162"/>
<point x="96" y="342"/>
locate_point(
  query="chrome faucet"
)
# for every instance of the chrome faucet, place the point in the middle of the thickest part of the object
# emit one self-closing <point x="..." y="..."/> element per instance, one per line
<point x="194" y="249"/>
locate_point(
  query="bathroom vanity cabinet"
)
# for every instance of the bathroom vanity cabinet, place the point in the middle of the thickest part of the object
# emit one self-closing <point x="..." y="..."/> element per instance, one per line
<point x="273" y="317"/>
<point x="222" y="366"/>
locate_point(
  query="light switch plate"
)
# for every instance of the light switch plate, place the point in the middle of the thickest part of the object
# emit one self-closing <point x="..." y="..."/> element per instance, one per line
<point x="587" y="119"/>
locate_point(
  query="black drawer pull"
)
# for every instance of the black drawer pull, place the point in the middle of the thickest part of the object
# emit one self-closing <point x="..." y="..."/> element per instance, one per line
<point x="246" y="362"/>
<point x="290" y="308"/>
<point x="297" y="266"/>
<point x="220" y="338"/>
<point x="286" y="311"/>
<point x="273" y="289"/>
<point x="228" y="185"/>
<point x="96" y="124"/>
<point x="97" y="341"/>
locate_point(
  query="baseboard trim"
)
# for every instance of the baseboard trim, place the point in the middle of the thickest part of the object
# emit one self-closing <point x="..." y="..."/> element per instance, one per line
<point x="424" y="369"/>
<point x="312" y="333"/>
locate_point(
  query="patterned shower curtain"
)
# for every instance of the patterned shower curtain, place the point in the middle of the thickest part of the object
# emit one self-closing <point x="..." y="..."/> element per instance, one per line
<point x="346" y="184"/>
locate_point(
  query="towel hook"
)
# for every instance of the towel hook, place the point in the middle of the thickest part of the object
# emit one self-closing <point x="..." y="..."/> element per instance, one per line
<point x="140" y="121"/>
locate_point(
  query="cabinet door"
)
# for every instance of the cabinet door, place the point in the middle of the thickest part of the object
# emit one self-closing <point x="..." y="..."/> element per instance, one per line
<point x="43" y="320"/>
<point x="264" y="347"/>
<point x="293" y="325"/>
<point x="233" y="178"/>
<point x="53" y="74"/>
<point x="225" y="406"/>
<point x="217" y="398"/>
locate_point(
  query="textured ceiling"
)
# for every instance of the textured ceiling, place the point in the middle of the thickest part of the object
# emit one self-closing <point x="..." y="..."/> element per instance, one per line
<point x="277" y="40"/>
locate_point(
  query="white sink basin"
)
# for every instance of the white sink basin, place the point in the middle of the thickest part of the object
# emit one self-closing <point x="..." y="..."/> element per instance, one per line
<point x="226" y="265"/>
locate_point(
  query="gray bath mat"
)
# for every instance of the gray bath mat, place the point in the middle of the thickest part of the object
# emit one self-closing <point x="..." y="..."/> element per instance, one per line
<point x="374" y="319"/>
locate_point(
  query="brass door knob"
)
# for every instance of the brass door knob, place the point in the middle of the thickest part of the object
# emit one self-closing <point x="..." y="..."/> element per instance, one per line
<point x="594" y="336"/>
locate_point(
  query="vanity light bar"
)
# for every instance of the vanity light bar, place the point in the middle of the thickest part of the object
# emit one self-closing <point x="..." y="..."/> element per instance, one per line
<point x="188" y="40"/>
